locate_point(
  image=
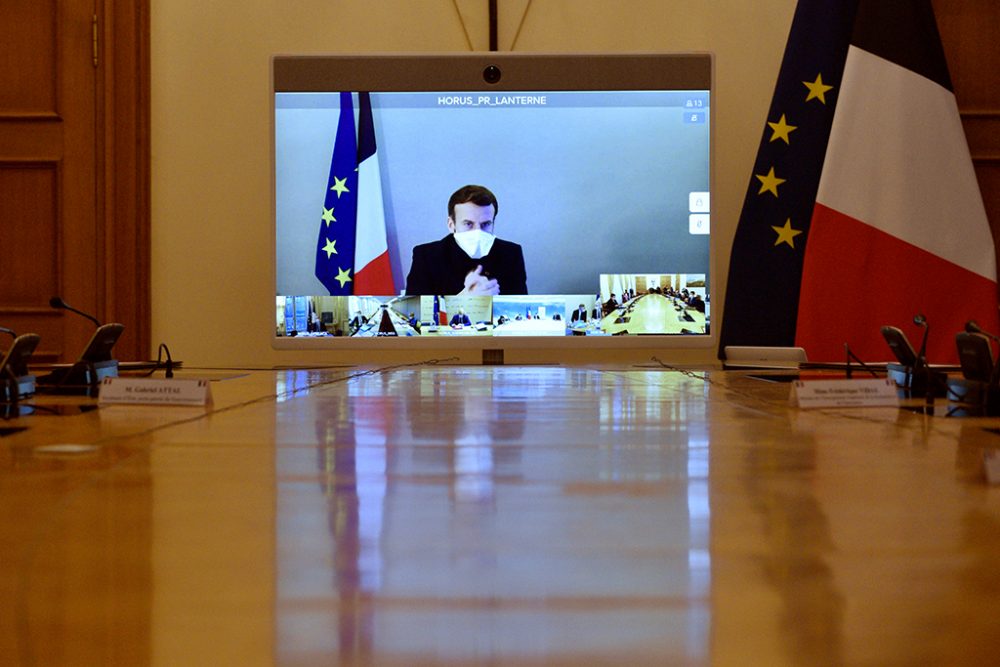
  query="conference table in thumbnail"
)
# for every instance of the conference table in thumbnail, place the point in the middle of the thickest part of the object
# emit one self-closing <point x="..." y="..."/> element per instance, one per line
<point x="654" y="314"/>
<point x="385" y="322"/>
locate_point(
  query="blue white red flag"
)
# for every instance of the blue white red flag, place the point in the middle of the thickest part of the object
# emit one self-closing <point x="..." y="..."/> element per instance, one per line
<point x="352" y="255"/>
<point x="863" y="209"/>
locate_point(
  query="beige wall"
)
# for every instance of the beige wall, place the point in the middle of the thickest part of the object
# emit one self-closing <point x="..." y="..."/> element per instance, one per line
<point x="211" y="203"/>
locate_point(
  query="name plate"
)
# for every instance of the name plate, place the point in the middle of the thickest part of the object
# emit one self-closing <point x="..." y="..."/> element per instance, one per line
<point x="151" y="391"/>
<point x="866" y="393"/>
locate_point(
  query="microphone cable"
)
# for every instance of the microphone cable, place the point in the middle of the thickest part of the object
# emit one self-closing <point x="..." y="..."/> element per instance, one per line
<point x="167" y="365"/>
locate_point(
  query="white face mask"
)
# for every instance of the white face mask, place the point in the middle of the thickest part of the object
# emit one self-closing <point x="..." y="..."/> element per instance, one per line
<point x="475" y="242"/>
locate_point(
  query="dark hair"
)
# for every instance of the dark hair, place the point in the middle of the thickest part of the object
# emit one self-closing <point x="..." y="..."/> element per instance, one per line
<point x="475" y="194"/>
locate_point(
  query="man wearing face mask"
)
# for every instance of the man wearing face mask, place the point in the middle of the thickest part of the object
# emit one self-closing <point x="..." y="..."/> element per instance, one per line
<point x="470" y="260"/>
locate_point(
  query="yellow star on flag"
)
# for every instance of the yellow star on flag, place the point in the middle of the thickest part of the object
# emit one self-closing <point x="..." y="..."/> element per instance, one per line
<point x="343" y="277"/>
<point x="339" y="186"/>
<point x="769" y="183"/>
<point x="328" y="216"/>
<point x="782" y="129"/>
<point x="786" y="234"/>
<point x="817" y="89"/>
<point x="330" y="248"/>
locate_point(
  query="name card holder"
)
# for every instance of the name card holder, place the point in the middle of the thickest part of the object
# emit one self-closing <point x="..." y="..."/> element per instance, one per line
<point x="864" y="393"/>
<point x="150" y="391"/>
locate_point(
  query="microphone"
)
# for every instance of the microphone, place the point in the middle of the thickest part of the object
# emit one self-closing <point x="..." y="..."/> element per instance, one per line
<point x="921" y="321"/>
<point x="11" y="332"/>
<point x="922" y="377"/>
<point x="15" y="380"/>
<point x="57" y="302"/>
<point x="93" y="365"/>
<point x="913" y="372"/>
<point x="973" y="328"/>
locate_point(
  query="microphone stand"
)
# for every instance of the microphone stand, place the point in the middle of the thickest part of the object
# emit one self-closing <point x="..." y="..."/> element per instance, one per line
<point x="921" y="370"/>
<point x="920" y="364"/>
<point x="11" y="390"/>
<point x="15" y="380"/>
<point x="848" y="371"/>
<point x="992" y="399"/>
<point x="95" y="363"/>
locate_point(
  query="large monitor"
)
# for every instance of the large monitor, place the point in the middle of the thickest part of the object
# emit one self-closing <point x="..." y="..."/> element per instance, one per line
<point x="492" y="200"/>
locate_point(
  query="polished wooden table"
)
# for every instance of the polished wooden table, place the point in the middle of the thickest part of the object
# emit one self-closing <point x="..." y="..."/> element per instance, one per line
<point x="427" y="515"/>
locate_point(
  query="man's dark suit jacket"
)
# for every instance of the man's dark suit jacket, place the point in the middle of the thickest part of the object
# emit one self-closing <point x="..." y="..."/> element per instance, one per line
<point x="440" y="268"/>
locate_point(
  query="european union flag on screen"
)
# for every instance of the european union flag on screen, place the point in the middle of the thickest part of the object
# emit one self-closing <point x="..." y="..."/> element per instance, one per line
<point x="352" y="253"/>
<point x="338" y="226"/>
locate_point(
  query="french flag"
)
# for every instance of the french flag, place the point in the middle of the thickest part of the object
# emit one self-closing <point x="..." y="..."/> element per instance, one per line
<point x="899" y="226"/>
<point x="891" y="223"/>
<point x="352" y="255"/>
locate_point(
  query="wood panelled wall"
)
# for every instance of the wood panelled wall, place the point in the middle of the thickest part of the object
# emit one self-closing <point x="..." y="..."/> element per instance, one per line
<point x="124" y="172"/>
<point x="74" y="171"/>
<point x="970" y="32"/>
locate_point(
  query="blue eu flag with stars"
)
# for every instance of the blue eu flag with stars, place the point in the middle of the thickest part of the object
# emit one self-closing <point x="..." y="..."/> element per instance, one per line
<point x="338" y="226"/>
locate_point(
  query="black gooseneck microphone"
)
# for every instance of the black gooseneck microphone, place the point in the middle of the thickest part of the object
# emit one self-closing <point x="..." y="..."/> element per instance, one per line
<point x="94" y="363"/>
<point x="11" y="332"/>
<point x="921" y="362"/>
<point x="921" y="371"/>
<point x="57" y="302"/>
<point x="973" y="328"/>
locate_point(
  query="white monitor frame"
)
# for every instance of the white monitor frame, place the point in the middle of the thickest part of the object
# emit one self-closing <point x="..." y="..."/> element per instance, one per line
<point x="518" y="72"/>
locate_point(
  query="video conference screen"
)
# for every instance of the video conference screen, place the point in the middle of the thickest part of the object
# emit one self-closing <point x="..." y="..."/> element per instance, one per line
<point x="492" y="213"/>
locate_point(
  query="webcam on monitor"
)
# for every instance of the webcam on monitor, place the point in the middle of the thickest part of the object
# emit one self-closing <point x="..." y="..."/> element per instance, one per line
<point x="491" y="74"/>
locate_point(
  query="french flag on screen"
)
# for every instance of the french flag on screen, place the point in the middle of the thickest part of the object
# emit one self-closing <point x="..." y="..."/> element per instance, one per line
<point x="352" y="255"/>
<point x="863" y="209"/>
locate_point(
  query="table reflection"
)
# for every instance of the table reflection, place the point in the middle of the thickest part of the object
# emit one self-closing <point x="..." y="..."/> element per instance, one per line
<point x="482" y="514"/>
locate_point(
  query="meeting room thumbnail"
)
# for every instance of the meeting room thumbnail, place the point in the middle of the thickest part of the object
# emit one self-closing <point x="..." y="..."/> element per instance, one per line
<point x="458" y="315"/>
<point x="637" y="304"/>
<point x="354" y="316"/>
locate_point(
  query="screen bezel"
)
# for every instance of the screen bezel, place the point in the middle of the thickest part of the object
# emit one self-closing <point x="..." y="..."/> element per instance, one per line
<point x="468" y="72"/>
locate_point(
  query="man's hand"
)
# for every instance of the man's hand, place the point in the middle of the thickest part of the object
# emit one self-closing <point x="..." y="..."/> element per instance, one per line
<point x="476" y="284"/>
